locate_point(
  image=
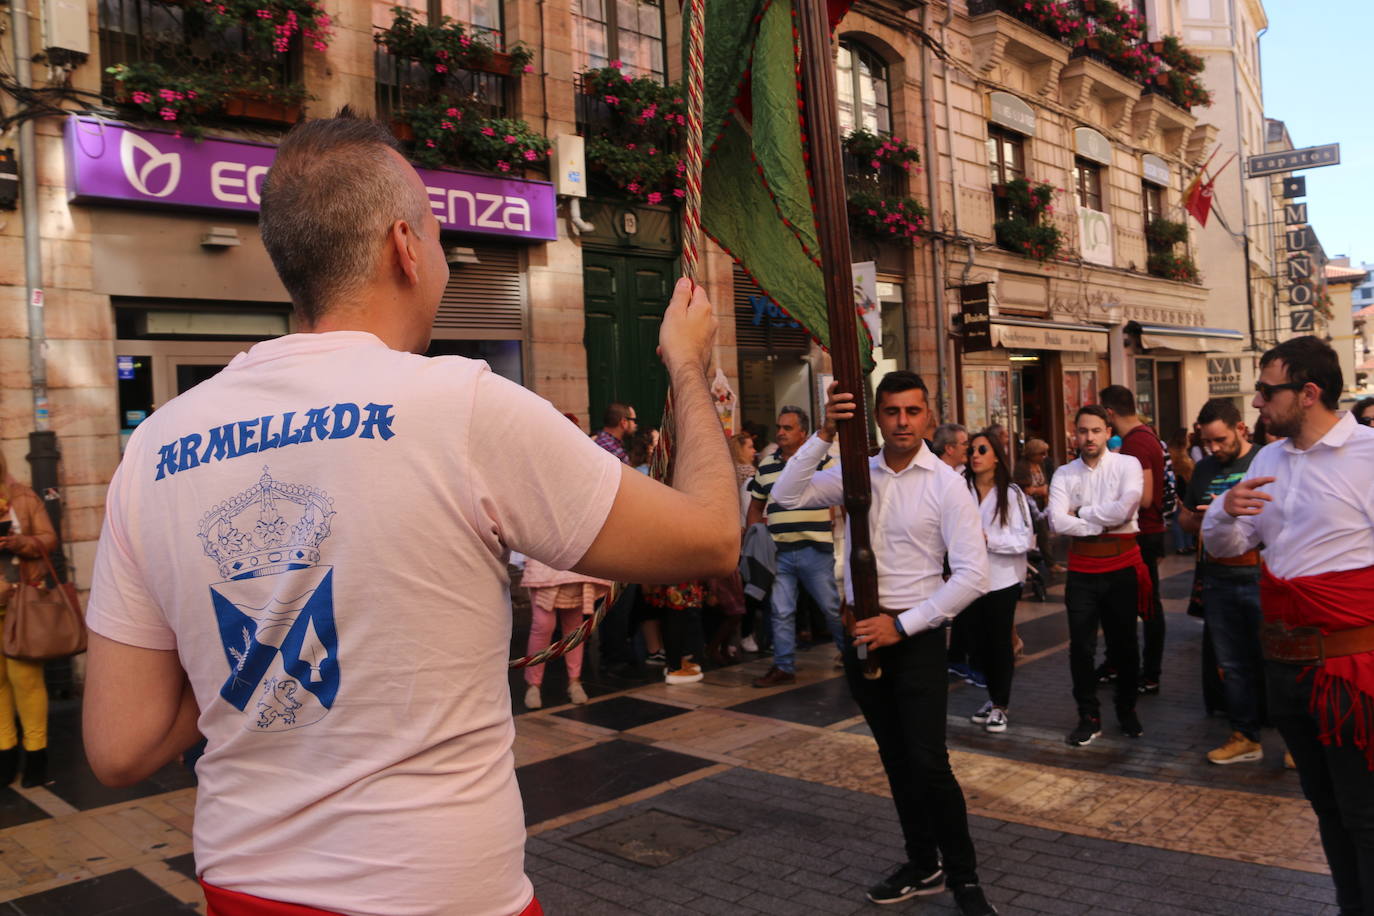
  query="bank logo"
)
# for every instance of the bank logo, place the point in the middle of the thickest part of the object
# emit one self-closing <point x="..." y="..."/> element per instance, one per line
<point x="130" y="147"/>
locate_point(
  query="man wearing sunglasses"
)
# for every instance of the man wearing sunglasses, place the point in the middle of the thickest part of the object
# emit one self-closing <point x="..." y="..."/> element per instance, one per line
<point x="1308" y="505"/>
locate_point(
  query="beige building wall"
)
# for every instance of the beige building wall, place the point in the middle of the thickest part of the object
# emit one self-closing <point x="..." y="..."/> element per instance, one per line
<point x="993" y="52"/>
<point x="90" y="253"/>
<point x="1225" y="33"/>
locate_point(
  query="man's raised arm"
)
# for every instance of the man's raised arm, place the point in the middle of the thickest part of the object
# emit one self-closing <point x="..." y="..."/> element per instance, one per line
<point x="655" y="533"/>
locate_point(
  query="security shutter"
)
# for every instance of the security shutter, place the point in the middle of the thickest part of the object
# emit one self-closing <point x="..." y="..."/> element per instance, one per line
<point x="486" y="300"/>
<point x="774" y="332"/>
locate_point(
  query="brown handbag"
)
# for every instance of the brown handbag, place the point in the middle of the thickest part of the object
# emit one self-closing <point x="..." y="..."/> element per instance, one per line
<point x="43" y="623"/>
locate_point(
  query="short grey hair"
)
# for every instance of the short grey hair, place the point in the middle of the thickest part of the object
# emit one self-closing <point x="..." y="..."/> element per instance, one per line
<point x="802" y="416"/>
<point x="946" y="434"/>
<point x="328" y="201"/>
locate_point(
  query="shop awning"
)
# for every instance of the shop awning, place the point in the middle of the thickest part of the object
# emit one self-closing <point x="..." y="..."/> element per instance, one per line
<point x="1028" y="334"/>
<point x="1187" y="340"/>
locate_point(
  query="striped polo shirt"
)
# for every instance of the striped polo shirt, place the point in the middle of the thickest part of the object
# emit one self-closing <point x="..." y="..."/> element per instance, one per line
<point x="791" y="528"/>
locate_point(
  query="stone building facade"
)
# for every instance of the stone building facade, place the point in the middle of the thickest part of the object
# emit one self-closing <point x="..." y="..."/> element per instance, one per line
<point x="148" y="293"/>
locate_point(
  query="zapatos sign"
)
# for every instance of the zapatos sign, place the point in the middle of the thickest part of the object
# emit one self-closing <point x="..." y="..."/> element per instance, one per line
<point x="113" y="162"/>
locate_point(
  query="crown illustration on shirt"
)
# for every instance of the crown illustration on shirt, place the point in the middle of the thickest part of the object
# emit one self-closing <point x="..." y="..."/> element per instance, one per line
<point x="269" y="528"/>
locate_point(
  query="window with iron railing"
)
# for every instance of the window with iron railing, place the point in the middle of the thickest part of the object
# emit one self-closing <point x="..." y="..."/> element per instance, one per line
<point x="180" y="37"/>
<point x="887" y="181"/>
<point x="404" y="83"/>
<point x="862" y="93"/>
<point x="1006" y="162"/>
<point x="628" y="31"/>
<point x="1087" y="180"/>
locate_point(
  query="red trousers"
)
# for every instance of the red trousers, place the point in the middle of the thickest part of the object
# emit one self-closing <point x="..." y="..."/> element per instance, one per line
<point x="220" y="902"/>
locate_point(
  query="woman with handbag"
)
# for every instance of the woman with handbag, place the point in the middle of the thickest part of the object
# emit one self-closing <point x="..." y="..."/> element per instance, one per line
<point x="28" y="538"/>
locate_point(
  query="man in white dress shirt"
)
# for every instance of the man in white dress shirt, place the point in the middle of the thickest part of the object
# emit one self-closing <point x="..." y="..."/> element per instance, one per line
<point x="1309" y="506"/>
<point x="921" y="510"/>
<point x="1093" y="501"/>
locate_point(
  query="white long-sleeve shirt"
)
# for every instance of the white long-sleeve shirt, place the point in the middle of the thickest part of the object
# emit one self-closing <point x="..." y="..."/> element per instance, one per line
<point x="918" y="515"/>
<point x="1007" y="544"/>
<point x="1105" y="498"/>
<point x="1322" y="515"/>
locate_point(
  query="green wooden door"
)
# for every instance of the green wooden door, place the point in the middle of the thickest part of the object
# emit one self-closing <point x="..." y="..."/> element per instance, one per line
<point x="624" y="297"/>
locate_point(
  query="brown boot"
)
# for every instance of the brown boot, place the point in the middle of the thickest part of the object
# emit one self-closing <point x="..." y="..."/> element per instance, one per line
<point x="775" y="677"/>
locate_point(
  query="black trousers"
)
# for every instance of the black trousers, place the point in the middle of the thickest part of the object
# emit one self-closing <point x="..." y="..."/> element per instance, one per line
<point x="1152" y="653"/>
<point x="905" y="709"/>
<point x="1106" y="600"/>
<point x="1336" y="780"/>
<point x="682" y="635"/>
<point x="989" y="621"/>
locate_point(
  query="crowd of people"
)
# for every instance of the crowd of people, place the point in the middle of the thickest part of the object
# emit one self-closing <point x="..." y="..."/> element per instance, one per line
<point x="282" y="607"/>
<point x="1126" y="498"/>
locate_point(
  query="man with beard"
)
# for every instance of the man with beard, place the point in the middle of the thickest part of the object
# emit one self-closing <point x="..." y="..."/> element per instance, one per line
<point x="1140" y="441"/>
<point x="1308" y="505"/>
<point x="1093" y="501"/>
<point x="1230" y="585"/>
<point x="922" y="511"/>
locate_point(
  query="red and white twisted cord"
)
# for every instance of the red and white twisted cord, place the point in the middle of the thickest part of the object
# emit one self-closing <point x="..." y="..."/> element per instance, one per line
<point x="696" y="78"/>
<point x="691" y="267"/>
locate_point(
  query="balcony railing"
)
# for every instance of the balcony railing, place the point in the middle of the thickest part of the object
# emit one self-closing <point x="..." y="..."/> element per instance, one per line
<point x="405" y="83"/>
<point x="888" y="181"/>
<point x="176" y="36"/>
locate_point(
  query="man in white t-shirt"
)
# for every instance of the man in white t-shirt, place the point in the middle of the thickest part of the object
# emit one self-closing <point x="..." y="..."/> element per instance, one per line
<point x="304" y="560"/>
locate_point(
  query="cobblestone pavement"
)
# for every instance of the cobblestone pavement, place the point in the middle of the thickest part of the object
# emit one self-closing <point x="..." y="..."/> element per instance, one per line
<point x="717" y="798"/>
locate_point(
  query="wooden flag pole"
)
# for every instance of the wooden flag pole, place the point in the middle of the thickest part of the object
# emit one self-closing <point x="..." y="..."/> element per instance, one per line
<point x="821" y="130"/>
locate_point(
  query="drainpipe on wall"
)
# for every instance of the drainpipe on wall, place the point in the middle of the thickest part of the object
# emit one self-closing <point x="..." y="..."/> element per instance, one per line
<point x="1234" y="25"/>
<point x="937" y="244"/>
<point x="43" y="452"/>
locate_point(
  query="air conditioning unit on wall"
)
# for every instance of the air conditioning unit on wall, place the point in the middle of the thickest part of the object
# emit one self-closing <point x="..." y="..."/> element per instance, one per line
<point x="66" y="32"/>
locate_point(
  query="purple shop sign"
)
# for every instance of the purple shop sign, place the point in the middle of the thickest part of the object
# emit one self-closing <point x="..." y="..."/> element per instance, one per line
<point x="109" y="161"/>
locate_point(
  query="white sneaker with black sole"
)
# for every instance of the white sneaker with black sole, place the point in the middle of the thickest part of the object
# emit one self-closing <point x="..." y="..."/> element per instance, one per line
<point x="981" y="716"/>
<point x="996" y="721"/>
<point x="905" y="883"/>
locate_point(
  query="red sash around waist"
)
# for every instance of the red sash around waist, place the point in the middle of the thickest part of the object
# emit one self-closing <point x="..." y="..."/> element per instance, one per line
<point x="220" y="902"/>
<point x="1331" y="602"/>
<point x="1144" y="588"/>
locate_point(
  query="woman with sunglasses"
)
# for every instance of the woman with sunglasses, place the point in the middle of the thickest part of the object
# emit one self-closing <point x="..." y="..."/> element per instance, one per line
<point x="1010" y="534"/>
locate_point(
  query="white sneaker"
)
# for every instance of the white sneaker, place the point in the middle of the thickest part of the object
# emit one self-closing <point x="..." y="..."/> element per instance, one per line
<point x="981" y="716"/>
<point x="576" y="693"/>
<point x="532" y="698"/>
<point x="997" y="720"/>
<point x="687" y="674"/>
<point x="749" y="643"/>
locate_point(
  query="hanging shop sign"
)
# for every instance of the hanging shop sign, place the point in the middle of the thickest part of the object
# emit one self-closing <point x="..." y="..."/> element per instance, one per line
<point x="1009" y="111"/>
<point x="974" y="317"/>
<point x="115" y="163"/>
<point x="1223" y="375"/>
<point x="1294" y="187"/>
<point x="1155" y="169"/>
<point x="1095" y="236"/>
<point x="1310" y="157"/>
<point x="1298" y="240"/>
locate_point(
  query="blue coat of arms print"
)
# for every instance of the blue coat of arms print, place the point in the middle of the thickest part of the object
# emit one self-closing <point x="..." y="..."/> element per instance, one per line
<point x="275" y="605"/>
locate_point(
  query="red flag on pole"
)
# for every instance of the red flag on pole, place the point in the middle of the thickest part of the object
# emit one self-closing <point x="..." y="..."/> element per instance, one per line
<point x="1197" y="199"/>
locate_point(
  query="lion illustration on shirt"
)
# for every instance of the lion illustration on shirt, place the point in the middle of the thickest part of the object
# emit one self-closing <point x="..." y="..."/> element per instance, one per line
<point x="278" y="702"/>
